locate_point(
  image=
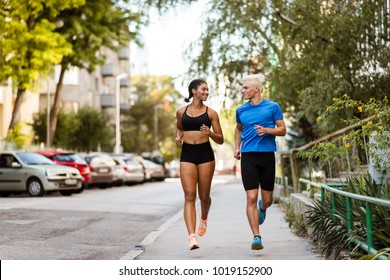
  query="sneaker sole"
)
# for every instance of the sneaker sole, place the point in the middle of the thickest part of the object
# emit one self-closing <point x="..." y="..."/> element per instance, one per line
<point x="257" y="247"/>
<point x="194" y="247"/>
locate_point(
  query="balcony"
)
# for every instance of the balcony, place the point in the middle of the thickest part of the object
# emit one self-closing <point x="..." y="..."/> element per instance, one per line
<point x="107" y="100"/>
<point x="107" y="70"/>
<point x="124" y="53"/>
<point x="124" y="83"/>
<point x="125" y="106"/>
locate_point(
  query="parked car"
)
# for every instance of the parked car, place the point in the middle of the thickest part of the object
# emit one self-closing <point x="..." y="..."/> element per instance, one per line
<point x="157" y="158"/>
<point x="35" y="174"/>
<point x="69" y="159"/>
<point x="156" y="170"/>
<point x="174" y="169"/>
<point x="101" y="168"/>
<point x="140" y="160"/>
<point x="133" y="171"/>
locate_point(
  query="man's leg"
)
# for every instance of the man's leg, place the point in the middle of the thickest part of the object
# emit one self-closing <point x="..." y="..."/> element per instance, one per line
<point x="251" y="210"/>
<point x="267" y="199"/>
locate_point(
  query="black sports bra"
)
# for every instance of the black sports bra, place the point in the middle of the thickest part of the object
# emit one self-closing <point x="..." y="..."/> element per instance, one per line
<point x="194" y="123"/>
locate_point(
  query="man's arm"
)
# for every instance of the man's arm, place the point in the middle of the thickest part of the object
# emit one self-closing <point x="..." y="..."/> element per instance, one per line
<point x="279" y="130"/>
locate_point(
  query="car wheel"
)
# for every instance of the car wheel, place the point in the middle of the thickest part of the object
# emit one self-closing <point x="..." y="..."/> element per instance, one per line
<point x="5" y="194"/>
<point x="66" y="192"/>
<point x="34" y="187"/>
<point x="80" y="190"/>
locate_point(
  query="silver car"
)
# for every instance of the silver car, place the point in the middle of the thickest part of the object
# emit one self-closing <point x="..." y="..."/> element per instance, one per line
<point x="133" y="171"/>
<point x="35" y="174"/>
<point x="156" y="170"/>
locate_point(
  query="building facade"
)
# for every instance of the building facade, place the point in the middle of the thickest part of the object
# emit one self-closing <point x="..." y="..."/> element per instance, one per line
<point x="80" y="88"/>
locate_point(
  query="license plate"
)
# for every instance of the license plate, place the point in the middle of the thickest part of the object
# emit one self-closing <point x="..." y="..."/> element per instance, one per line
<point x="103" y="170"/>
<point x="70" y="181"/>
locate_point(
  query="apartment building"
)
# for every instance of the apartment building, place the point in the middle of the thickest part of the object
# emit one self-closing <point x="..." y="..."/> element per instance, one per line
<point x="80" y="88"/>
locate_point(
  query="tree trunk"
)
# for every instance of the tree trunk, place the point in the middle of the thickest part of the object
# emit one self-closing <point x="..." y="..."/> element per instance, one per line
<point x="56" y="105"/>
<point x="16" y="110"/>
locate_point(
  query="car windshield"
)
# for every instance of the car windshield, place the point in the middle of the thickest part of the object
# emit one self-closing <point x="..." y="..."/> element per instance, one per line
<point x="33" y="158"/>
<point x="131" y="161"/>
<point x="150" y="163"/>
<point x="69" y="158"/>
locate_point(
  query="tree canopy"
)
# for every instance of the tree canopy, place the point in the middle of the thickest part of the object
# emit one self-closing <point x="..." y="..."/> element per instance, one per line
<point x="310" y="52"/>
<point x="151" y="95"/>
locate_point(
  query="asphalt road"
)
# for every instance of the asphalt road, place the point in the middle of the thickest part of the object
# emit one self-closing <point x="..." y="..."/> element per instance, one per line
<point x="97" y="224"/>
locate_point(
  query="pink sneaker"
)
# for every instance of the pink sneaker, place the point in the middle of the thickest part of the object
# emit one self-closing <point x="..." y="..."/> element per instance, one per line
<point x="193" y="242"/>
<point x="202" y="227"/>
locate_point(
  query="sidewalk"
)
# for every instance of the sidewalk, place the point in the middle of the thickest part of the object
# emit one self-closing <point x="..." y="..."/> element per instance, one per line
<point x="228" y="235"/>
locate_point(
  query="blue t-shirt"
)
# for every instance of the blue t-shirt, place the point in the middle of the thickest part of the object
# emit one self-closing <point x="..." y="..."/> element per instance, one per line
<point x="264" y="114"/>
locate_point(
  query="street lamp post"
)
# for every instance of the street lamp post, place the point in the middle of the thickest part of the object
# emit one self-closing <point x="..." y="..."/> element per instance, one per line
<point x="117" y="111"/>
<point x="156" y="107"/>
<point x="48" y="115"/>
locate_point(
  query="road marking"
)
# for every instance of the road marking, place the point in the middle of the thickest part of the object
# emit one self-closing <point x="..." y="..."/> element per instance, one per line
<point x="151" y="237"/>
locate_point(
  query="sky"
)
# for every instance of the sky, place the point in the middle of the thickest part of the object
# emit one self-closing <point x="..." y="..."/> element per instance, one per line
<point x="165" y="40"/>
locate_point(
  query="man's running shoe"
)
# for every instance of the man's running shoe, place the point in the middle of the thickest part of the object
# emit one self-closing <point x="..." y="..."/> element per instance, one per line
<point x="262" y="213"/>
<point x="202" y="227"/>
<point x="193" y="242"/>
<point x="257" y="244"/>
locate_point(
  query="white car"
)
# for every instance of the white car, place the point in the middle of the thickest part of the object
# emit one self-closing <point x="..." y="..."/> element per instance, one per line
<point x="131" y="170"/>
<point x="35" y="174"/>
<point x="156" y="171"/>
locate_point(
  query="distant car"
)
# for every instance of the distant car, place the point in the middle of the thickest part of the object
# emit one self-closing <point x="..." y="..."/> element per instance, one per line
<point x="157" y="158"/>
<point x="69" y="159"/>
<point x="35" y="174"/>
<point x="140" y="159"/>
<point x="174" y="169"/>
<point x="156" y="170"/>
<point x="101" y="168"/>
<point x="133" y="171"/>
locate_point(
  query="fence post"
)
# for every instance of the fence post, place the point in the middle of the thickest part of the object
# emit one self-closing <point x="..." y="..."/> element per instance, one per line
<point x="333" y="207"/>
<point x="294" y="169"/>
<point x="370" y="239"/>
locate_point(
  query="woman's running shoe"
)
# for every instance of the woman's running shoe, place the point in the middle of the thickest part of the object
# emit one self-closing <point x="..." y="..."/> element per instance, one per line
<point x="193" y="242"/>
<point x="202" y="227"/>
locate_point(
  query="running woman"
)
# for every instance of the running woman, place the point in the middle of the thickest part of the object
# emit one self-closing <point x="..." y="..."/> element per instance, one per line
<point x="197" y="162"/>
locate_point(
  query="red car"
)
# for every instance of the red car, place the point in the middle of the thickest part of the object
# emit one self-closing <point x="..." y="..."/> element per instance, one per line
<point x="69" y="159"/>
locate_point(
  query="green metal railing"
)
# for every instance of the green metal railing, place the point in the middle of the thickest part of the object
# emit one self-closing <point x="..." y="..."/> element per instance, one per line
<point x="369" y="246"/>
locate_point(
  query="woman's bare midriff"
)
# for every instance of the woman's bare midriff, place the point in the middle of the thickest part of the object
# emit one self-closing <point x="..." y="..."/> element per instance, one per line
<point x="195" y="137"/>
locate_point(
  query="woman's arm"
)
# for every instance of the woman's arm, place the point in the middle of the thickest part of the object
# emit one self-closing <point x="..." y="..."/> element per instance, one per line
<point x="179" y="128"/>
<point x="237" y="141"/>
<point x="216" y="134"/>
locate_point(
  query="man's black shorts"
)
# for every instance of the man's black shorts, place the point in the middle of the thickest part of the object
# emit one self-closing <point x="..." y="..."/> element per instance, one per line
<point x="258" y="168"/>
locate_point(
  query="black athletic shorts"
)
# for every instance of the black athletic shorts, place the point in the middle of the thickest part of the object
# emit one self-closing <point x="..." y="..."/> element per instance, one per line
<point x="258" y="168"/>
<point x="197" y="153"/>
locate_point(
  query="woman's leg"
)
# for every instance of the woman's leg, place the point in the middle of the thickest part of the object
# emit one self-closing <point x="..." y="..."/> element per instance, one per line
<point x="189" y="179"/>
<point x="206" y="172"/>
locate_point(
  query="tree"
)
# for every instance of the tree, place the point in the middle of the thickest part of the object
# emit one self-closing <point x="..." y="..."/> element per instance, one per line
<point x="148" y="93"/>
<point x="311" y="51"/>
<point x="67" y="125"/>
<point x="89" y="29"/>
<point x="333" y="49"/>
<point x="93" y="133"/>
<point x="29" y="45"/>
<point x="86" y="130"/>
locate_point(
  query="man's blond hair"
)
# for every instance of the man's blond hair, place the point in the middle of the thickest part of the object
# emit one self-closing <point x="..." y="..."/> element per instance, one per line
<point x="255" y="79"/>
